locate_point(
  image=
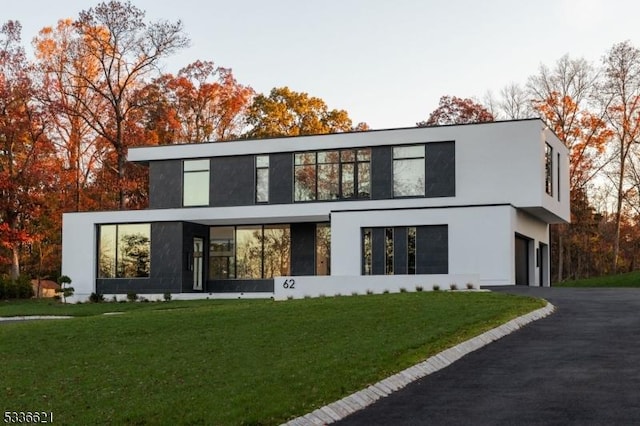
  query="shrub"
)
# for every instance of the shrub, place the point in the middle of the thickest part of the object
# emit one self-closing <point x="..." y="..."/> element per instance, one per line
<point x="369" y="291"/>
<point x="132" y="296"/>
<point x="167" y="296"/>
<point x="453" y="286"/>
<point x="470" y="286"/>
<point x="403" y="290"/>
<point x="419" y="288"/>
<point x="20" y="288"/>
<point x="436" y="287"/>
<point x="96" y="298"/>
<point x="65" y="287"/>
<point x="385" y="291"/>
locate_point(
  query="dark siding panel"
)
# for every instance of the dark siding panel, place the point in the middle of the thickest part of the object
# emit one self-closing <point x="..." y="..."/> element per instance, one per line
<point x="240" y="286"/>
<point x="232" y="181"/>
<point x="166" y="265"/>
<point x="165" y="184"/>
<point x="281" y="178"/>
<point x="400" y="250"/>
<point x="381" y="173"/>
<point x="378" y="252"/>
<point x="440" y="163"/>
<point x="303" y="243"/>
<point x="432" y="248"/>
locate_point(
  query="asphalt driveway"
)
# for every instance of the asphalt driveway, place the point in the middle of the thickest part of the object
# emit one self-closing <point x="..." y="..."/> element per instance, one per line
<point x="579" y="366"/>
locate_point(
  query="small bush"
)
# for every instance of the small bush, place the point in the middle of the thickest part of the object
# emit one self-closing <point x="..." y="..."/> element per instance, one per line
<point x="114" y="299"/>
<point x="354" y="293"/>
<point x="369" y="291"/>
<point x="96" y="298"/>
<point x="419" y="288"/>
<point x="403" y="290"/>
<point x="16" y="289"/>
<point x="470" y="286"/>
<point x="436" y="287"/>
<point x="167" y="296"/>
<point x="132" y="296"/>
<point x="385" y="291"/>
<point x="453" y="286"/>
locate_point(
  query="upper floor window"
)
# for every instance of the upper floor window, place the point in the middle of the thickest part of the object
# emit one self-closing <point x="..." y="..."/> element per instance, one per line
<point x="332" y="175"/>
<point x="548" y="169"/>
<point x="408" y="171"/>
<point x="124" y="251"/>
<point x="262" y="179"/>
<point x="195" y="183"/>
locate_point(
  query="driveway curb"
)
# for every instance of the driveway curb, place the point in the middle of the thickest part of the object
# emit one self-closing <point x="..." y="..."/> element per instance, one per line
<point x="34" y="317"/>
<point x="359" y="400"/>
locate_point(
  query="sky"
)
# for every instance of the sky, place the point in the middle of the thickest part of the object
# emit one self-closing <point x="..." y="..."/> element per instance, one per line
<point x="385" y="62"/>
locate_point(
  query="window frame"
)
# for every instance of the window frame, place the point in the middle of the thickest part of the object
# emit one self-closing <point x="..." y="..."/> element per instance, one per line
<point x="396" y="159"/>
<point x="188" y="171"/>
<point x="359" y="158"/>
<point x="118" y="258"/>
<point x="548" y="169"/>
<point x="260" y="171"/>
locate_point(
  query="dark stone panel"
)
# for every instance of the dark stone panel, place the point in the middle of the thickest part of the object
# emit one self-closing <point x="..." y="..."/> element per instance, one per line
<point x="240" y="286"/>
<point x="400" y="250"/>
<point x="191" y="230"/>
<point x="165" y="184"/>
<point x="281" y="178"/>
<point x="303" y="249"/>
<point x="432" y="249"/>
<point x="166" y="256"/>
<point x="232" y="181"/>
<point x="381" y="173"/>
<point x="126" y="285"/>
<point x="377" y="251"/>
<point x="440" y="174"/>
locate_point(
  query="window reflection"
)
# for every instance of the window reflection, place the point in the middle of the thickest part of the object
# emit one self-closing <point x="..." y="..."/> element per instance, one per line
<point x="277" y="244"/>
<point x="222" y="252"/>
<point x="388" y="251"/>
<point x="124" y="251"/>
<point x="411" y="250"/>
<point x="408" y="171"/>
<point x="195" y="182"/>
<point x="262" y="178"/>
<point x="323" y="249"/>
<point x="367" y="255"/>
<point x="332" y="175"/>
<point x="249" y="251"/>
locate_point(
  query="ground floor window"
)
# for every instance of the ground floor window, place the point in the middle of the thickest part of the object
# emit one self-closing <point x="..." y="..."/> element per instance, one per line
<point x="323" y="249"/>
<point x="124" y="250"/>
<point x="249" y="252"/>
<point x="404" y="250"/>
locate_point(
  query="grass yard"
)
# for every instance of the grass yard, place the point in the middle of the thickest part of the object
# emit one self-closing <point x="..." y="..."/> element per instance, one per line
<point x="229" y="362"/>
<point x="630" y="279"/>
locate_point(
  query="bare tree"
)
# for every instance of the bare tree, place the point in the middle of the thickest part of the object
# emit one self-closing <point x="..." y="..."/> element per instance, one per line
<point x="127" y="51"/>
<point x="620" y="93"/>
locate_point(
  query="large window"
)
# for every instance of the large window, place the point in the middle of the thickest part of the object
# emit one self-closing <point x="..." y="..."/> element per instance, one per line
<point x="262" y="179"/>
<point x="249" y="252"/>
<point x="124" y="251"/>
<point x="195" y="188"/>
<point x="408" y="171"/>
<point x="332" y="175"/>
<point x="548" y="169"/>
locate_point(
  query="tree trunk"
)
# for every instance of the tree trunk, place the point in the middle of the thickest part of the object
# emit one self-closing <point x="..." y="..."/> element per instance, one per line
<point x="15" y="262"/>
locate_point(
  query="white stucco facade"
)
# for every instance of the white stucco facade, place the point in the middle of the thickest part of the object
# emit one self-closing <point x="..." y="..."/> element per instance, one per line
<point x="501" y="192"/>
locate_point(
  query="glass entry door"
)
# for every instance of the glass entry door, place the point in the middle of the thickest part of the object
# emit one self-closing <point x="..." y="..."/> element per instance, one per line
<point x="198" y="262"/>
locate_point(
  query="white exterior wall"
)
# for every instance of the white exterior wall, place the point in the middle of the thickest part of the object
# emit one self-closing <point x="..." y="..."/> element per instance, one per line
<point x="480" y="239"/>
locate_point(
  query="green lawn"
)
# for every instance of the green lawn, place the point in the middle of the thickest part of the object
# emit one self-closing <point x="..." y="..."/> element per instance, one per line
<point x="232" y="362"/>
<point x="630" y="279"/>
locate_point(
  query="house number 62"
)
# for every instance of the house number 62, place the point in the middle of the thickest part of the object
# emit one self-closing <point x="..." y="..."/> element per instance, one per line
<point x="290" y="283"/>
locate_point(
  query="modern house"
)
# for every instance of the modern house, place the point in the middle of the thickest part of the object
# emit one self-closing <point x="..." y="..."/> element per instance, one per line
<point x="346" y="213"/>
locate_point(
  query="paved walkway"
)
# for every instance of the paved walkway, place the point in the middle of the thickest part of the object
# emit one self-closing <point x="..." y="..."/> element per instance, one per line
<point x="579" y="366"/>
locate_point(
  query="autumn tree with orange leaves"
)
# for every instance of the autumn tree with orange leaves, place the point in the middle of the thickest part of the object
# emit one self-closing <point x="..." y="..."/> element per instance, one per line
<point x="201" y="103"/>
<point x="27" y="167"/>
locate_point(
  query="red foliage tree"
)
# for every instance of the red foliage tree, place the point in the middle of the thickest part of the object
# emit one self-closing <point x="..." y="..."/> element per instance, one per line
<point x="453" y="110"/>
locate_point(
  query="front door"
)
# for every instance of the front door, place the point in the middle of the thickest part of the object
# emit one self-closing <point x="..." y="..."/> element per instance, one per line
<point x="198" y="262"/>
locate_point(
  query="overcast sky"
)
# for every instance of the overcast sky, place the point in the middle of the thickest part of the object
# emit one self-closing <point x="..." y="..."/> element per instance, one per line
<point x="385" y="62"/>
